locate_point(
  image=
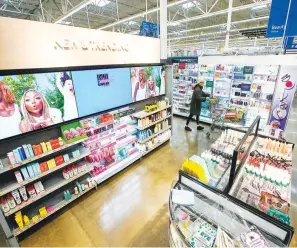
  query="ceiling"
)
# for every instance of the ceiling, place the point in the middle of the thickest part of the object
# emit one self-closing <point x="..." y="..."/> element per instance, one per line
<point x="191" y="24"/>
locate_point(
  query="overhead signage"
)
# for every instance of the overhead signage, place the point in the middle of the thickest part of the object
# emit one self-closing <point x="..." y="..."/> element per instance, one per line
<point x="291" y="43"/>
<point x="149" y="29"/>
<point x="248" y="70"/>
<point x="278" y="19"/>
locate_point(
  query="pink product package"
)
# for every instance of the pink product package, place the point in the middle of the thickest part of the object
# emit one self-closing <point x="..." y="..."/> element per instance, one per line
<point x="50" y="209"/>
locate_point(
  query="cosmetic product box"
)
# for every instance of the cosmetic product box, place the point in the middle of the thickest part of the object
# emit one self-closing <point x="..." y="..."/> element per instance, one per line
<point x="40" y="186"/>
<point x="42" y="212"/>
<point x="22" y="153"/>
<point x="36" y="169"/>
<point x="17" y="197"/>
<point x="75" y="153"/>
<point x="49" y="146"/>
<point x="55" y="143"/>
<point x="30" y="171"/>
<point x="30" y="149"/>
<point x="11" y="158"/>
<point x="43" y="167"/>
<point x="23" y="193"/>
<point x="37" y="150"/>
<point x="66" y="158"/>
<point x="51" y="164"/>
<point x="43" y="147"/>
<point x="18" y="176"/>
<point x="17" y="156"/>
<point x="59" y="160"/>
<point x="37" y="189"/>
<point x="25" y="173"/>
<point x="25" y="147"/>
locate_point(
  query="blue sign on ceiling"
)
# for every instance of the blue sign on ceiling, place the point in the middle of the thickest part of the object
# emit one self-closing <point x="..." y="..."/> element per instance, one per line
<point x="278" y="17"/>
<point x="149" y="29"/>
<point x="291" y="43"/>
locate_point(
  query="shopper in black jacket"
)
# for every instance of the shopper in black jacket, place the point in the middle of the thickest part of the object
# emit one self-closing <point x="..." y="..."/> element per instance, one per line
<point x="195" y="109"/>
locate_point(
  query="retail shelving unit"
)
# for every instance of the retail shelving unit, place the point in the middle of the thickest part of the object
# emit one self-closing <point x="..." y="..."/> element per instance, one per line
<point x="215" y="217"/>
<point x="120" y="134"/>
<point x="185" y="76"/>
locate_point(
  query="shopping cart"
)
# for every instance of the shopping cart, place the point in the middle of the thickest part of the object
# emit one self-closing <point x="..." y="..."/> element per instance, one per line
<point x="217" y="113"/>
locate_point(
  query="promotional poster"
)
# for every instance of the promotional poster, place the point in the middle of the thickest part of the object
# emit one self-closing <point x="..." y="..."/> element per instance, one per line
<point x="147" y="82"/>
<point x="286" y="87"/>
<point x="33" y="101"/>
<point x="99" y="90"/>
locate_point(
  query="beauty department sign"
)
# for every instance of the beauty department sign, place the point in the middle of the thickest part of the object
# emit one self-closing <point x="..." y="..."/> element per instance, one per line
<point x="30" y="45"/>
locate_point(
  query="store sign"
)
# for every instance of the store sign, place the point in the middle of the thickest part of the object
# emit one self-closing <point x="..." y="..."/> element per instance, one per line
<point x="103" y="79"/>
<point x="84" y="45"/>
<point x="286" y="87"/>
<point x="47" y="45"/>
<point x="290" y="43"/>
<point x="278" y="19"/>
<point x="149" y="29"/>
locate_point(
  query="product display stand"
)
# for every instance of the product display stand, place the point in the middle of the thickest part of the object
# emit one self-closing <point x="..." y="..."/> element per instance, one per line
<point x="64" y="169"/>
<point x="205" y="218"/>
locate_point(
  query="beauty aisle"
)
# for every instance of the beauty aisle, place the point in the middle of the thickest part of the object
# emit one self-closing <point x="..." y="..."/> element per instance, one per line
<point x="201" y="217"/>
<point x="244" y="92"/>
<point x="184" y="78"/>
<point x="42" y="178"/>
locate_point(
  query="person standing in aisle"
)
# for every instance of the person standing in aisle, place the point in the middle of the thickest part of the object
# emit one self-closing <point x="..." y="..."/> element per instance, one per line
<point x="195" y="108"/>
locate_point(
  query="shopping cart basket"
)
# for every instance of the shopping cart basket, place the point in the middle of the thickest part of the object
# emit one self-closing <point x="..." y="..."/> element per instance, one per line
<point x="217" y="113"/>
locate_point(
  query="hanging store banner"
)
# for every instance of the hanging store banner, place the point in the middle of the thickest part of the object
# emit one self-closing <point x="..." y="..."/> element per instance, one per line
<point x="284" y="95"/>
<point x="30" y="45"/>
<point x="278" y="17"/>
<point x="290" y="43"/>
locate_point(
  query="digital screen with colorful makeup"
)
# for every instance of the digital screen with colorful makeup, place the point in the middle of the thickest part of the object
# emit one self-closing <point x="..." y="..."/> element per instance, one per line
<point x="33" y="101"/>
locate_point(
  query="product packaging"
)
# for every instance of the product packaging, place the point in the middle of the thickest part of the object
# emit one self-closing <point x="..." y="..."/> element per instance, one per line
<point x="17" y="156"/>
<point x="17" y="197"/>
<point x="23" y="193"/>
<point x="37" y="189"/>
<point x="26" y="220"/>
<point x="22" y="153"/>
<point x="25" y="147"/>
<point x="30" y="171"/>
<point x="49" y="146"/>
<point x="4" y="205"/>
<point x="30" y="149"/>
<point x="66" y="158"/>
<point x="51" y="164"/>
<point x="11" y="158"/>
<point x="40" y="185"/>
<point x="19" y="219"/>
<point x="43" y="147"/>
<point x="59" y="160"/>
<point x="18" y="176"/>
<point x="31" y="191"/>
<point x="10" y="201"/>
<point x="25" y="173"/>
<point x="42" y="212"/>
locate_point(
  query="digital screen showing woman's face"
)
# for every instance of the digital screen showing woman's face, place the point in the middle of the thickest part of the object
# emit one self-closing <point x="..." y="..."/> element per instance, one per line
<point x="33" y="102"/>
<point x="133" y="72"/>
<point x="69" y="85"/>
<point x="151" y="82"/>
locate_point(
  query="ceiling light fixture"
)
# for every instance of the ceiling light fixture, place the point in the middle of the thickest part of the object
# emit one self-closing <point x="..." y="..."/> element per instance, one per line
<point x="101" y="3"/>
<point x="190" y="5"/>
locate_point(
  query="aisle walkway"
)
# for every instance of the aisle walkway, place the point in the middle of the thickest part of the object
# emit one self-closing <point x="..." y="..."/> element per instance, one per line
<point x="130" y="209"/>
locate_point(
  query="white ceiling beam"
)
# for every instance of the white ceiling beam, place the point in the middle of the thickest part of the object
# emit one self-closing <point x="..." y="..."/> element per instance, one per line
<point x="141" y="14"/>
<point x="220" y="32"/>
<point x="220" y="12"/>
<point x="73" y="10"/>
<point x="219" y="25"/>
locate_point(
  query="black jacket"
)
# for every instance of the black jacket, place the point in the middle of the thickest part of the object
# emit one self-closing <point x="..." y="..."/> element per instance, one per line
<point x="197" y="98"/>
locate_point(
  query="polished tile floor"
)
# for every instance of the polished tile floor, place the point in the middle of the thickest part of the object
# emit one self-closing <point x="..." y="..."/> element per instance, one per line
<point x="130" y="209"/>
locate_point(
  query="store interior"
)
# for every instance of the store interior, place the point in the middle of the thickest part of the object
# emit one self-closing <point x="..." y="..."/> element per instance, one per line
<point x="94" y="145"/>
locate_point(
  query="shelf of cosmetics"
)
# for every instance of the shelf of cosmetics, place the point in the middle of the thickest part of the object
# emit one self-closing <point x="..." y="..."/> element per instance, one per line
<point x="151" y="120"/>
<point x="26" y="195"/>
<point x="154" y="142"/>
<point x="212" y="164"/>
<point x="24" y="222"/>
<point x="265" y="179"/>
<point x="28" y="153"/>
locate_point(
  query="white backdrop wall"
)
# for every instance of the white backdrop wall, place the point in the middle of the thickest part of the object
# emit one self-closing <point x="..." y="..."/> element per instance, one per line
<point x="27" y="44"/>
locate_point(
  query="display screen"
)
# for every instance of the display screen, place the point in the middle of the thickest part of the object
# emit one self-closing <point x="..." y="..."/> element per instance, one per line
<point x="99" y="90"/>
<point x="33" y="101"/>
<point x="147" y="82"/>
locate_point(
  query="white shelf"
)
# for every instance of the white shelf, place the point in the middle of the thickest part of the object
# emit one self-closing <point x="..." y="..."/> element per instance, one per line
<point x="162" y="119"/>
<point x="13" y="166"/>
<point x="117" y="167"/>
<point x="16" y="185"/>
<point x="57" y="207"/>
<point x="143" y="114"/>
<point x="157" y="145"/>
<point x="153" y="136"/>
<point x="48" y="191"/>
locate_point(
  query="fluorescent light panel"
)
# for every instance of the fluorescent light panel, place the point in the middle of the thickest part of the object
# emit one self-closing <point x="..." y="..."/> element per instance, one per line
<point x="101" y="3"/>
<point x="190" y="5"/>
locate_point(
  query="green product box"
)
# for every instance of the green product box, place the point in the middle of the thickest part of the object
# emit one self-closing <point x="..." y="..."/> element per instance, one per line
<point x="73" y="132"/>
